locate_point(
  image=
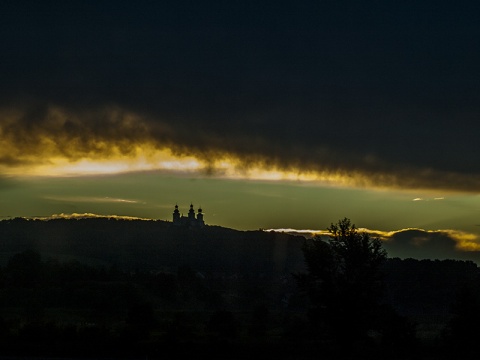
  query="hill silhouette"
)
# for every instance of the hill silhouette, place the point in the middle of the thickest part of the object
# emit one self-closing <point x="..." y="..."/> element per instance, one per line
<point x="110" y="287"/>
<point x="153" y="245"/>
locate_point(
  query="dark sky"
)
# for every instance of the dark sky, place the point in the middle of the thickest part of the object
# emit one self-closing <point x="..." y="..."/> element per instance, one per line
<point x="389" y="90"/>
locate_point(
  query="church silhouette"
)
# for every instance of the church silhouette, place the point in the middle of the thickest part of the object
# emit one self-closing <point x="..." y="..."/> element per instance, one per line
<point x="190" y="220"/>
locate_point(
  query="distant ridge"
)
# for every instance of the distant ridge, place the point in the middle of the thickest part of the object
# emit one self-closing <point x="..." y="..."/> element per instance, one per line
<point x="152" y="245"/>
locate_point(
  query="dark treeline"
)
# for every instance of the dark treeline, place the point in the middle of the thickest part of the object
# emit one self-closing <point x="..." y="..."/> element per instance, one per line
<point x="53" y="308"/>
<point x="55" y="304"/>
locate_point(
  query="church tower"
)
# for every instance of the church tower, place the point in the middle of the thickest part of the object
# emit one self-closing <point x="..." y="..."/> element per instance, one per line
<point x="191" y="214"/>
<point x="192" y="220"/>
<point x="200" y="221"/>
<point x="176" y="216"/>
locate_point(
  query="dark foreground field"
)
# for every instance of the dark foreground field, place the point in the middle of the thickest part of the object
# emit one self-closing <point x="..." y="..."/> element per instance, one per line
<point x="142" y="290"/>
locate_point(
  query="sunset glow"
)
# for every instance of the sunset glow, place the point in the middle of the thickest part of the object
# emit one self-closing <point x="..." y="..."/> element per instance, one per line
<point x="127" y="110"/>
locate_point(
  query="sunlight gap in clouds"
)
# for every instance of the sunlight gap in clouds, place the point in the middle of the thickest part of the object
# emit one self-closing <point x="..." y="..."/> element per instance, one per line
<point x="147" y="159"/>
<point x="56" y="141"/>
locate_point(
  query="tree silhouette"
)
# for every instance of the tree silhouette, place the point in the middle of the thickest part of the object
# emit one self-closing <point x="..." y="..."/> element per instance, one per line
<point x="343" y="282"/>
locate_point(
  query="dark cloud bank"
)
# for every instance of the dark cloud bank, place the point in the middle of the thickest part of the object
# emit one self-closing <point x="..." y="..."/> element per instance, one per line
<point x="421" y="244"/>
<point x="389" y="91"/>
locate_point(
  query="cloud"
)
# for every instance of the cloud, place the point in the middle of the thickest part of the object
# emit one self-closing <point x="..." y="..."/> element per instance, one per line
<point x="91" y="199"/>
<point x="85" y="216"/>
<point x="420" y="244"/>
<point x="336" y="96"/>
<point x="431" y="244"/>
<point x="423" y="199"/>
<point x="416" y="243"/>
<point x="308" y="233"/>
<point x="54" y="137"/>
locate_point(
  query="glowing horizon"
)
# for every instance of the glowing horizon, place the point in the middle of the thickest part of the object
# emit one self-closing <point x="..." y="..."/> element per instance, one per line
<point x="113" y="140"/>
<point x="165" y="159"/>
